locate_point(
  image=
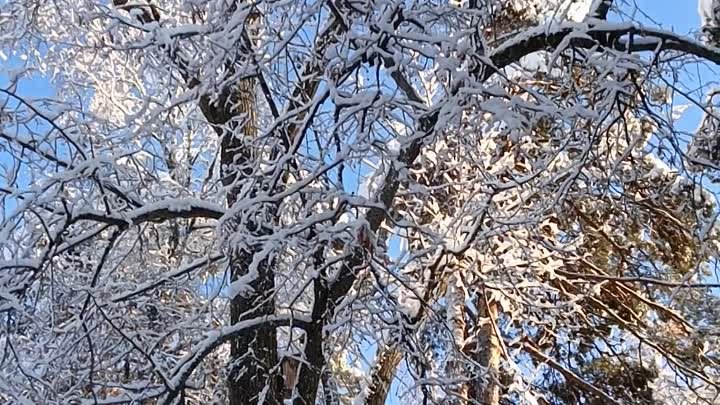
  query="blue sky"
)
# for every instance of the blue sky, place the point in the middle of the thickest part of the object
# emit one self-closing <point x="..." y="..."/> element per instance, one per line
<point x="680" y="15"/>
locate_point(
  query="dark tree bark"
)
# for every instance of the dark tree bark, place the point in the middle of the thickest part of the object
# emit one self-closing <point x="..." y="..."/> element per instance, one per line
<point x="252" y="377"/>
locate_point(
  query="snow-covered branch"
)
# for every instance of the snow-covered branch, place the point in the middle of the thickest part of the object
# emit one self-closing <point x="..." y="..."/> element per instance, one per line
<point x="176" y="208"/>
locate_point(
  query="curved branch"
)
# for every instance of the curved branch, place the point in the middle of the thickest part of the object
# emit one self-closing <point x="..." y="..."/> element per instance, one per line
<point x="176" y="208"/>
<point x="539" y="356"/>
<point x="185" y="368"/>
<point x="589" y="36"/>
<point x="194" y="265"/>
<point x="641" y="280"/>
<point x="48" y="119"/>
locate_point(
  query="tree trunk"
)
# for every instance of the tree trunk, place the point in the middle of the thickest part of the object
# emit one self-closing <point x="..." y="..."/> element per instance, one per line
<point x="486" y="390"/>
<point x="314" y="364"/>
<point x="456" y="294"/>
<point x="383" y="374"/>
<point x="330" y="388"/>
<point x="253" y="354"/>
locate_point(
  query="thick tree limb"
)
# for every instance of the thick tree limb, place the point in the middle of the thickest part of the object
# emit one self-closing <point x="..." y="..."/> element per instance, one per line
<point x="619" y="37"/>
<point x="600" y="9"/>
<point x="156" y="212"/>
<point x="382" y="376"/>
<point x="148" y="12"/>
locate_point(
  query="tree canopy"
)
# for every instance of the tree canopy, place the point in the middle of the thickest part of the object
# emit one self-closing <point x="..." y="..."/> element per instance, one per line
<point x="357" y="202"/>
